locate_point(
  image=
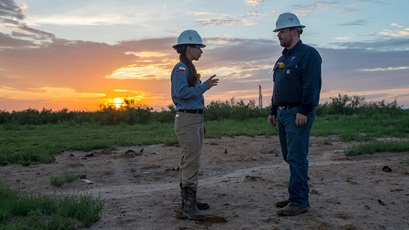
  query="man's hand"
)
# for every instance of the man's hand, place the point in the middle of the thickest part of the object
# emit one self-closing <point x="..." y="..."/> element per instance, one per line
<point x="300" y="120"/>
<point x="272" y="120"/>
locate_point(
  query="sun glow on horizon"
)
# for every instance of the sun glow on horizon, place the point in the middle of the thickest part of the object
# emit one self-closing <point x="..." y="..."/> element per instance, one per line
<point x="125" y="102"/>
<point x="117" y="102"/>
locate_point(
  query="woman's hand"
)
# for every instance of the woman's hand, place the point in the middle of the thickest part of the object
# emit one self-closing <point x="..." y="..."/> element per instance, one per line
<point x="212" y="82"/>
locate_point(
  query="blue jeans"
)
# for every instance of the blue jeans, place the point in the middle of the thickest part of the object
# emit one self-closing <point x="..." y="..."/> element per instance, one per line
<point x="294" y="146"/>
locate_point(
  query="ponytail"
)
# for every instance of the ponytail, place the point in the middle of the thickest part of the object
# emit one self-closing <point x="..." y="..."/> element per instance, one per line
<point x="192" y="78"/>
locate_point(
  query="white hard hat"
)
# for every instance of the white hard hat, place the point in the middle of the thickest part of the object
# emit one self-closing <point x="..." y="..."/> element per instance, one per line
<point x="287" y="20"/>
<point x="189" y="37"/>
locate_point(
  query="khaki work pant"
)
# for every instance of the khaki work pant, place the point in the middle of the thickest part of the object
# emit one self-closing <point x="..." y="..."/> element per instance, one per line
<point x="189" y="129"/>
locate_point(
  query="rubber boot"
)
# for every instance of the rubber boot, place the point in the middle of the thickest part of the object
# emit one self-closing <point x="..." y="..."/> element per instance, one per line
<point x="183" y="195"/>
<point x="189" y="209"/>
<point x="199" y="205"/>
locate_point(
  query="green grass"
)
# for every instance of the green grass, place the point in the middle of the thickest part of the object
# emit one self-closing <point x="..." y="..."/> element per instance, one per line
<point x="252" y="127"/>
<point x="60" y="180"/>
<point x="26" y="144"/>
<point x="19" y="211"/>
<point x="362" y="128"/>
<point x="378" y="146"/>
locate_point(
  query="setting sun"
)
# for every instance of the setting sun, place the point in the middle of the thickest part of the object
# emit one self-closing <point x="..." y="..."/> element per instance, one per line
<point x="123" y="102"/>
<point x="117" y="102"/>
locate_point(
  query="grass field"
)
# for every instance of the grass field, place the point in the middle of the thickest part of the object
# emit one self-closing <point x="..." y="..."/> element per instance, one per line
<point x="25" y="144"/>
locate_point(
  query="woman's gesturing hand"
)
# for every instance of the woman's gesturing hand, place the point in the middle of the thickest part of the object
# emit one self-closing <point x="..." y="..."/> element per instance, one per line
<point x="212" y="82"/>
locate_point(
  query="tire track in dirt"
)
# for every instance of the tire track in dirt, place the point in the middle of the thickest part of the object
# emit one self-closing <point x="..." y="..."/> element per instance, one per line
<point x="132" y="190"/>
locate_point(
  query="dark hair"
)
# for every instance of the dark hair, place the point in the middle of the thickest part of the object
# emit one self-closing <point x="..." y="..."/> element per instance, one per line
<point x="192" y="78"/>
<point x="299" y="29"/>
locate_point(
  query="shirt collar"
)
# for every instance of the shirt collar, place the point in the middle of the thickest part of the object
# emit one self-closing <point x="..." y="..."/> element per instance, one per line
<point x="288" y="51"/>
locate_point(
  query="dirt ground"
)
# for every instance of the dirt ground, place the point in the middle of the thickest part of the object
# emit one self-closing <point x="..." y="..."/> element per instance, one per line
<point x="241" y="178"/>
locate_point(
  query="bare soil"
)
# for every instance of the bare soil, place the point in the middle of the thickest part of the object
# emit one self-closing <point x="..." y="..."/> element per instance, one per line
<point x="241" y="178"/>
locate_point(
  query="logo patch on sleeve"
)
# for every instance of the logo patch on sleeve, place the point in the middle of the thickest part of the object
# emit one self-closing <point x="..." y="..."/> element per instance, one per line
<point x="181" y="69"/>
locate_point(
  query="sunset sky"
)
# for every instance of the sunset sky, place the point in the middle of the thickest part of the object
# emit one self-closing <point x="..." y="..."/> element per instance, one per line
<point x="79" y="54"/>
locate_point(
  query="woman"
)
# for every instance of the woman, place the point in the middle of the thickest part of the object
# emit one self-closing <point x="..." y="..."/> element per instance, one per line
<point x="187" y="95"/>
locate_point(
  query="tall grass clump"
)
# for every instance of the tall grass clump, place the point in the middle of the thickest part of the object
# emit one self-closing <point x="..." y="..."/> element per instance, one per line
<point x="378" y="146"/>
<point x="20" y="211"/>
<point x="60" y="180"/>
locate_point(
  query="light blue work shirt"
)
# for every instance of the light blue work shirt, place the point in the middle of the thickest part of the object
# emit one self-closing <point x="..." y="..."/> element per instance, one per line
<point x="183" y="95"/>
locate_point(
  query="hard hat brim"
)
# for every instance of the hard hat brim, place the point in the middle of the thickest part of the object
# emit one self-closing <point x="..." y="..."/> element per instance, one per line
<point x="186" y="44"/>
<point x="285" y="27"/>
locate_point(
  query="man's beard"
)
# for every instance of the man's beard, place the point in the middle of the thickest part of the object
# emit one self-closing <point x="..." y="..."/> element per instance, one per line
<point x="283" y="43"/>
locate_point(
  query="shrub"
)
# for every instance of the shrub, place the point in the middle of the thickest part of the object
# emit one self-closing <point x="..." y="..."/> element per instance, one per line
<point x="356" y="105"/>
<point x="131" y="113"/>
<point x="218" y="110"/>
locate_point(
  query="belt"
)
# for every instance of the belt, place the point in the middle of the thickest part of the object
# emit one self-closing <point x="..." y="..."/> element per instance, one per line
<point x="197" y="111"/>
<point x="286" y="107"/>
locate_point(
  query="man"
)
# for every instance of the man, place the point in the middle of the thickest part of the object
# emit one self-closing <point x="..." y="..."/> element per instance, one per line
<point x="297" y="86"/>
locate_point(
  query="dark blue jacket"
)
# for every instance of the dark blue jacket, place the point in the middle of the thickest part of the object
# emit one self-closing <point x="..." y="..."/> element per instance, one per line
<point x="297" y="79"/>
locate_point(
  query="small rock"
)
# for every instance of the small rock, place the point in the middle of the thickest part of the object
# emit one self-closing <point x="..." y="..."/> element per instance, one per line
<point x="129" y="153"/>
<point x="386" y="169"/>
<point x="252" y="178"/>
<point x="87" y="181"/>
<point x="90" y="155"/>
<point x="172" y="169"/>
<point x="381" y="202"/>
<point x="315" y="192"/>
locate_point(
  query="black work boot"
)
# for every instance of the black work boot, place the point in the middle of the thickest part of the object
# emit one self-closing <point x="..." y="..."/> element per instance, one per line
<point x="199" y="205"/>
<point x="189" y="208"/>
<point x="202" y="206"/>
<point x="292" y="210"/>
<point x="183" y="195"/>
<point x="282" y="204"/>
